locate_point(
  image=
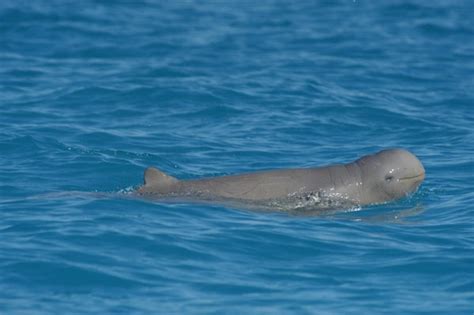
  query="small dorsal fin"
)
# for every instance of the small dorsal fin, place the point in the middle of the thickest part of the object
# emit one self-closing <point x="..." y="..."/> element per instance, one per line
<point x="155" y="177"/>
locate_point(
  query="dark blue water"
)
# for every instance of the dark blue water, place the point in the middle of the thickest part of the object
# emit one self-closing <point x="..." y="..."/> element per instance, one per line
<point x="92" y="92"/>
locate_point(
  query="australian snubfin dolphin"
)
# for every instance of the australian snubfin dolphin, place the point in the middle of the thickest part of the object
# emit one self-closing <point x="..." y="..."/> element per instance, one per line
<point x="377" y="178"/>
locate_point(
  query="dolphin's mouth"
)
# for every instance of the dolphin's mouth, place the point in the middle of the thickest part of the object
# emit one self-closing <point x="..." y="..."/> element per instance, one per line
<point x="416" y="177"/>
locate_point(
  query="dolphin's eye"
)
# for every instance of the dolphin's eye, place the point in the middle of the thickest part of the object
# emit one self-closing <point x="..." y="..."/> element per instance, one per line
<point x="388" y="178"/>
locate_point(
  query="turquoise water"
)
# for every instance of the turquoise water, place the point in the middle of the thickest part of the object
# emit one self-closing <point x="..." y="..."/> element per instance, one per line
<point x="91" y="93"/>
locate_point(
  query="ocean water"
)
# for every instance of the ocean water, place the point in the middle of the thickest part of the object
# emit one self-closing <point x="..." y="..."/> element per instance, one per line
<point x="93" y="92"/>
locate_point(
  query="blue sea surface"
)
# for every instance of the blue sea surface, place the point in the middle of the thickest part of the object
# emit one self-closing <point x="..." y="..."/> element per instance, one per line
<point x="93" y="92"/>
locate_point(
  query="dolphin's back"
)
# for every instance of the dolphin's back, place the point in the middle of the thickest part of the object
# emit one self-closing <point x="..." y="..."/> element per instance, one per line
<point x="262" y="185"/>
<point x="258" y="186"/>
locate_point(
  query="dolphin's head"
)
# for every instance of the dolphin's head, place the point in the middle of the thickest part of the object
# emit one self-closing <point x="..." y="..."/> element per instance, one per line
<point x="390" y="174"/>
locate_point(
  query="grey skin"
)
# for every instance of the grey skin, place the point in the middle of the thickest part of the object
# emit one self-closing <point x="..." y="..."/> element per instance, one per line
<point x="377" y="178"/>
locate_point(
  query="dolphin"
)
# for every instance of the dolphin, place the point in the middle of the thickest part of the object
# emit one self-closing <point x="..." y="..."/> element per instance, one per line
<point x="376" y="178"/>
